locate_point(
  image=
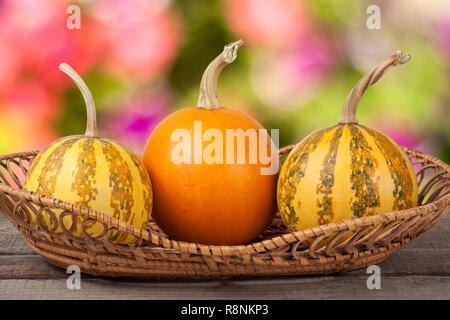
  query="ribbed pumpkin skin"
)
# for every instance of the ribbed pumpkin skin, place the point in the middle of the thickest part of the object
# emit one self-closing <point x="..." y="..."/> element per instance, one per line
<point x="342" y="172"/>
<point x="97" y="173"/>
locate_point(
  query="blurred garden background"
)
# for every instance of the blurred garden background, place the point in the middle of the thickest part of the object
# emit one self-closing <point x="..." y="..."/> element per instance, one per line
<point x="143" y="59"/>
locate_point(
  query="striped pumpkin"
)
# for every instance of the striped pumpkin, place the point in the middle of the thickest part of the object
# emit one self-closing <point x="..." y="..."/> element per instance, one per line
<point x="347" y="170"/>
<point x="94" y="172"/>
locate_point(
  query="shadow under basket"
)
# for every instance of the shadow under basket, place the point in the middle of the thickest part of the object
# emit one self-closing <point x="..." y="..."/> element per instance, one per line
<point x="330" y="248"/>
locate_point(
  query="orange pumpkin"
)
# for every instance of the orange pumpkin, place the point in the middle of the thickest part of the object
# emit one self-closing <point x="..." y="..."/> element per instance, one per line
<point x="209" y="201"/>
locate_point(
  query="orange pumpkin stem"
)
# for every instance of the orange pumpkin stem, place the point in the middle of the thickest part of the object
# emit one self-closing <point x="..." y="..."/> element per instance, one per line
<point x="91" y="126"/>
<point x="349" y="110"/>
<point x="208" y="86"/>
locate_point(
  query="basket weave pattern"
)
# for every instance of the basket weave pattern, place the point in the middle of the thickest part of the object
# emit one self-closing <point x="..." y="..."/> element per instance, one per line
<point x="334" y="247"/>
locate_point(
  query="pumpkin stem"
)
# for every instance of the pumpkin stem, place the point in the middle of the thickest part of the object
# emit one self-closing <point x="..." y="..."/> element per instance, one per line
<point x="208" y="86"/>
<point x="91" y="126"/>
<point x="349" y="110"/>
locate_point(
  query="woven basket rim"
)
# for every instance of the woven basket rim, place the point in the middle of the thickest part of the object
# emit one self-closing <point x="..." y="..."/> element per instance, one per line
<point x="161" y="239"/>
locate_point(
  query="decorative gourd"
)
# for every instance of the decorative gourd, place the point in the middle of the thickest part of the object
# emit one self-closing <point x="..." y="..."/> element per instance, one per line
<point x="218" y="204"/>
<point x="93" y="172"/>
<point x="347" y="170"/>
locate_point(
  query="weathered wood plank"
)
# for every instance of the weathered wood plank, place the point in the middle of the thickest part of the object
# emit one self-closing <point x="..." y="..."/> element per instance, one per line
<point x="13" y="244"/>
<point x="6" y="227"/>
<point x="435" y="262"/>
<point x="28" y="267"/>
<point x="11" y="241"/>
<point x="411" y="287"/>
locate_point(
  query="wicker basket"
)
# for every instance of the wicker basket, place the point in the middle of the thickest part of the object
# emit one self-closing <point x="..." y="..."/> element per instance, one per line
<point x="349" y="244"/>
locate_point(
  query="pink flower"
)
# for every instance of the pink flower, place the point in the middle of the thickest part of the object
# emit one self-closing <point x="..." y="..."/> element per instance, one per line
<point x="292" y="76"/>
<point x="10" y="65"/>
<point x="403" y="132"/>
<point x="142" y="36"/>
<point x="309" y="60"/>
<point x="276" y="23"/>
<point x="36" y="31"/>
<point x="133" y="123"/>
<point x="32" y="101"/>
<point x="406" y="138"/>
<point x="444" y="35"/>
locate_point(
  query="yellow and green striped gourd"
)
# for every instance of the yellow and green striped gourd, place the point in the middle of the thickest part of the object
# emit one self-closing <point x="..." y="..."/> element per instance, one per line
<point x="93" y="172"/>
<point x="347" y="170"/>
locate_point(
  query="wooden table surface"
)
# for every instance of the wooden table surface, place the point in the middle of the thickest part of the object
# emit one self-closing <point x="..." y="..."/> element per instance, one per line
<point x="420" y="270"/>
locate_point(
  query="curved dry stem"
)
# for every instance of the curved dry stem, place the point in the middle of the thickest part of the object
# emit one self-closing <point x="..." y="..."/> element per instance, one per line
<point x="208" y="86"/>
<point x="91" y="126"/>
<point x="349" y="110"/>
